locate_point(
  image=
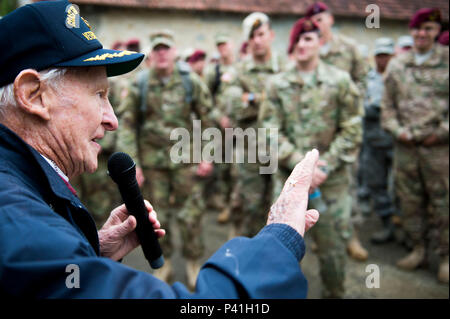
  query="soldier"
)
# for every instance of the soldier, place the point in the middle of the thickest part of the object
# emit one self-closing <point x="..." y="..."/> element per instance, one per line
<point x="376" y="154"/>
<point x="404" y="44"/>
<point x="166" y="97"/>
<point x="251" y="194"/>
<point x="197" y="61"/>
<point x="342" y="52"/>
<point x="415" y="111"/>
<point x="222" y="81"/>
<point x="315" y="104"/>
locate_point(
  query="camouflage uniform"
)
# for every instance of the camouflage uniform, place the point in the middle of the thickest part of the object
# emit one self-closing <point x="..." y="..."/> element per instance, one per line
<point x="251" y="194"/>
<point x="343" y="53"/>
<point x="172" y="188"/>
<point x="324" y="114"/>
<point x="377" y="151"/>
<point x="222" y="81"/>
<point x="416" y="102"/>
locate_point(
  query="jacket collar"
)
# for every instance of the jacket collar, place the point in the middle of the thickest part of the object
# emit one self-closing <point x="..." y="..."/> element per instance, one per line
<point x="31" y="160"/>
<point x="433" y="61"/>
<point x="293" y="75"/>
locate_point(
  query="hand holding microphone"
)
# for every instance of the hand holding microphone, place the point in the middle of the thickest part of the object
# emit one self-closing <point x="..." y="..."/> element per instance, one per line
<point x="122" y="169"/>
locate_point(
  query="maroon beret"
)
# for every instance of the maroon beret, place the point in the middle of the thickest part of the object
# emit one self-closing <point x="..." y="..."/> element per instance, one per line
<point x="244" y="47"/>
<point x="133" y="41"/>
<point x="443" y="38"/>
<point x="425" y="15"/>
<point x="302" y="25"/>
<point x="197" y="56"/>
<point x="316" y="8"/>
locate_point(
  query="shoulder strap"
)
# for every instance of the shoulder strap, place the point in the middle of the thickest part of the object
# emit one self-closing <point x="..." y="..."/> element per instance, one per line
<point x="185" y="71"/>
<point x="217" y="80"/>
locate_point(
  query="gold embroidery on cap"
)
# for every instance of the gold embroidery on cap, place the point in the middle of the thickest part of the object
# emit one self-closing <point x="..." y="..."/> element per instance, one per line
<point x="108" y="56"/>
<point x="89" y="35"/>
<point x="72" y="16"/>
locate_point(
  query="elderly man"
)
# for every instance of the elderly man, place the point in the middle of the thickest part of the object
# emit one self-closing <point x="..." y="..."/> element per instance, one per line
<point x="415" y="111"/>
<point x="53" y="110"/>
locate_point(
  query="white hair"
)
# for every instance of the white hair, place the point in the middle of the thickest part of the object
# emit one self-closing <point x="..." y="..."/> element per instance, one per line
<point x="53" y="76"/>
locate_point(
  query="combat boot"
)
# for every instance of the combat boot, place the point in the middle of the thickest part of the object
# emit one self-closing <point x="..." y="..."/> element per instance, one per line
<point x="443" y="270"/>
<point x="414" y="259"/>
<point x="192" y="269"/>
<point x="224" y="216"/>
<point x="355" y="250"/>
<point x="165" y="273"/>
<point x="386" y="234"/>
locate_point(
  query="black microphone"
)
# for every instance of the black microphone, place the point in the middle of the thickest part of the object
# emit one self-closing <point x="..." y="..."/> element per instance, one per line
<point x="122" y="169"/>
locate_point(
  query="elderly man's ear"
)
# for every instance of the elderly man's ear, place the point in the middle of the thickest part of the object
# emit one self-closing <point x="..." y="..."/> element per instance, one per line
<point x="30" y="94"/>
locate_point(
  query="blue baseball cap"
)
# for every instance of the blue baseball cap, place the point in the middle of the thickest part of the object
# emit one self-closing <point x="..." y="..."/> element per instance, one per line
<point x="53" y="34"/>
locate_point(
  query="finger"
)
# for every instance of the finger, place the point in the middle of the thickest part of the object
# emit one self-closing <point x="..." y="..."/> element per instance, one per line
<point x="160" y="233"/>
<point x="120" y="212"/>
<point x="148" y="205"/>
<point x="127" y="226"/>
<point x="311" y="218"/>
<point x="303" y="172"/>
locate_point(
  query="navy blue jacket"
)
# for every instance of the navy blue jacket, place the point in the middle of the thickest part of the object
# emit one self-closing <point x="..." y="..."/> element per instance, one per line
<point x="44" y="228"/>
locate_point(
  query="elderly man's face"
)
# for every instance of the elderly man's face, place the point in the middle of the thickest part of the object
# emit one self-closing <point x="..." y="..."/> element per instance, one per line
<point x="81" y="116"/>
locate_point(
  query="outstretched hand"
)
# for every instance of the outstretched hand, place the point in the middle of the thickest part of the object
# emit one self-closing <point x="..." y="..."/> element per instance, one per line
<point x="291" y="206"/>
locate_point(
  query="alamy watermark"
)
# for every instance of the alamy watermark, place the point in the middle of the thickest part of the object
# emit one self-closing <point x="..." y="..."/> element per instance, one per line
<point x="373" y="279"/>
<point x="73" y="279"/>
<point x="210" y="144"/>
<point x="373" y="19"/>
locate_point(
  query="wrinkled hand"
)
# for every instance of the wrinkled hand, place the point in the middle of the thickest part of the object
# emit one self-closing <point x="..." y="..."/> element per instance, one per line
<point x="319" y="176"/>
<point x="291" y="207"/>
<point x="205" y="169"/>
<point x="431" y="140"/>
<point x="117" y="236"/>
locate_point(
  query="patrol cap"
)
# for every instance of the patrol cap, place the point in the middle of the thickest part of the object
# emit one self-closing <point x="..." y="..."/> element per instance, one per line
<point x="405" y="41"/>
<point x="164" y="37"/>
<point x="384" y="46"/>
<point x="221" y="37"/>
<point x="252" y="22"/>
<point x="53" y="34"/>
<point x="302" y="25"/>
<point x="316" y="8"/>
<point x="425" y="15"/>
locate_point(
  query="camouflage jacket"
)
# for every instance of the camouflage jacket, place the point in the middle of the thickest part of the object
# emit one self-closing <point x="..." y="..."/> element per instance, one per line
<point x="226" y="96"/>
<point x="416" y="96"/>
<point x="325" y="115"/>
<point x="252" y="78"/>
<point x="344" y="54"/>
<point x="166" y="110"/>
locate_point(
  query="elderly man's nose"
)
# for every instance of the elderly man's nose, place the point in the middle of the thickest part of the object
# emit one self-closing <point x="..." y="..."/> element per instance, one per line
<point x="109" y="120"/>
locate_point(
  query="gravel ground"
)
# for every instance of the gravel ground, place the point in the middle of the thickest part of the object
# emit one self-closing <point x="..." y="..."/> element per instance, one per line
<point x="394" y="283"/>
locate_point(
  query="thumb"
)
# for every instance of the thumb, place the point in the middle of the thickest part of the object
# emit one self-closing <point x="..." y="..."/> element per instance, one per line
<point x="311" y="218"/>
<point x="127" y="226"/>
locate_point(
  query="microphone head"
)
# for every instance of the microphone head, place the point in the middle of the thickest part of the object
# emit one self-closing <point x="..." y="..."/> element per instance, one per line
<point x="121" y="167"/>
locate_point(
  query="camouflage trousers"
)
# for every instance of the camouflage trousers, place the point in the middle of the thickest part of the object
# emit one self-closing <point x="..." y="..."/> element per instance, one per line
<point x="97" y="191"/>
<point x="250" y="199"/>
<point x="422" y="186"/>
<point x="218" y="187"/>
<point x="177" y="194"/>
<point x="332" y="231"/>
